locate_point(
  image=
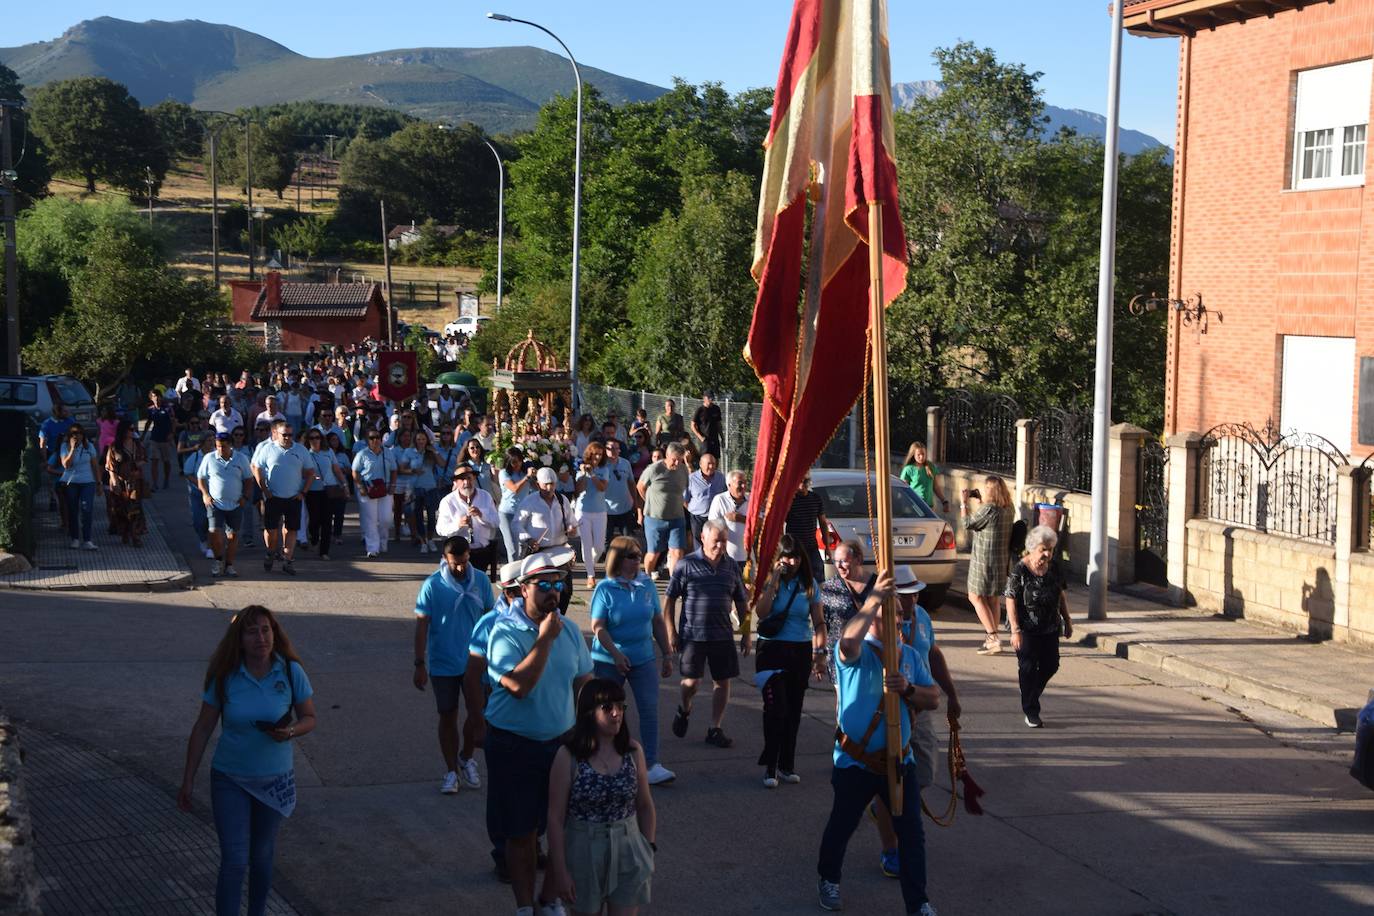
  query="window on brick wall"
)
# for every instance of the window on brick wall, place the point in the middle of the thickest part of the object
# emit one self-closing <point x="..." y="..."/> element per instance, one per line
<point x="1331" y="118"/>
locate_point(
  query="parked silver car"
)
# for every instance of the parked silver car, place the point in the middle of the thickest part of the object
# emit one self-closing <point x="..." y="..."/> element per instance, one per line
<point x="921" y="538"/>
<point x="34" y="395"/>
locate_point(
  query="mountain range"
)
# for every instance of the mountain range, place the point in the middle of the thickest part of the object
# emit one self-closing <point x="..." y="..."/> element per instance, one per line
<point x="213" y="66"/>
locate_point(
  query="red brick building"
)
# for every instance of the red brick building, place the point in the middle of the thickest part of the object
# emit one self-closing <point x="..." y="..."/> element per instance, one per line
<point x="1273" y="227"/>
<point x="298" y="316"/>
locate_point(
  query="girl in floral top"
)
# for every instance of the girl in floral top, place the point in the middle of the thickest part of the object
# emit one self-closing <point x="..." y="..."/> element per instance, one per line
<point x="601" y="815"/>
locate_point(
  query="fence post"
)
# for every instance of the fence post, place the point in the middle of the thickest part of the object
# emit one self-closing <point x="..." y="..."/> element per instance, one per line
<point x="725" y="439"/>
<point x="1352" y="535"/>
<point x="935" y="434"/>
<point x="1123" y="470"/>
<point x="1185" y="469"/>
<point x="1025" y="459"/>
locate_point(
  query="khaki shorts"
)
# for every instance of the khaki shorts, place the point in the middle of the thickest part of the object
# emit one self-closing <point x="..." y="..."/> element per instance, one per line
<point x="927" y="749"/>
<point x="609" y="862"/>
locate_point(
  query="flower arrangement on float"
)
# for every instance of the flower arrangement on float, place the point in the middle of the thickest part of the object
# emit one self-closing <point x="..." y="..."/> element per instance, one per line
<point x="540" y="448"/>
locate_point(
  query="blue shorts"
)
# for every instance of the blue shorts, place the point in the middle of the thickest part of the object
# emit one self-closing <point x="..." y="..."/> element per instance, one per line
<point x="230" y="520"/>
<point x="517" y="782"/>
<point x="665" y="533"/>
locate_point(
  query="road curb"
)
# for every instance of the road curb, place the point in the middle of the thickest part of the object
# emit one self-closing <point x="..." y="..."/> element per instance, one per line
<point x="1239" y="685"/>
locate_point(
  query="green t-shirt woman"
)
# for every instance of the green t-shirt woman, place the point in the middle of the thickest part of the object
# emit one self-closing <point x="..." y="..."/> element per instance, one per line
<point x="922" y="476"/>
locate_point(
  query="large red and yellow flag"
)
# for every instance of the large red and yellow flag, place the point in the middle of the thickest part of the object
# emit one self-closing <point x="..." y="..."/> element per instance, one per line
<point x="831" y="142"/>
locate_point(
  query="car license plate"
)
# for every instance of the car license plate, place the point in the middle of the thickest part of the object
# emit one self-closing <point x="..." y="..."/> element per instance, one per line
<point x="905" y="540"/>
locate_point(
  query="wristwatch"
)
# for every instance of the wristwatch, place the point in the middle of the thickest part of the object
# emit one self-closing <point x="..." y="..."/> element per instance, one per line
<point x="908" y="691"/>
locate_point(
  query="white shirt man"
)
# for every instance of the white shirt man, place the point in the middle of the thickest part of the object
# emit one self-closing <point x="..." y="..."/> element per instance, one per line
<point x="544" y="518"/>
<point x="728" y="508"/>
<point x="187" y="382"/>
<point x="226" y="419"/>
<point x="271" y="414"/>
<point x="468" y="510"/>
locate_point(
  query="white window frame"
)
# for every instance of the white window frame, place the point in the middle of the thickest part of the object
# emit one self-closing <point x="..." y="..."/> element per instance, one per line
<point x="1315" y="114"/>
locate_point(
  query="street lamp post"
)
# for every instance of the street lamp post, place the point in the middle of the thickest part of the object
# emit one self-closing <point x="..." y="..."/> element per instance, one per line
<point x="577" y="200"/>
<point x="500" y="218"/>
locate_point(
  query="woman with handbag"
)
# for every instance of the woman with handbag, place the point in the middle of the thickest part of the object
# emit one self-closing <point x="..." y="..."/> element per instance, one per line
<point x="124" y="465"/>
<point x="791" y="646"/>
<point x="338" y="499"/>
<point x="374" y="473"/>
<point x="254" y="686"/>
<point x="323" y="489"/>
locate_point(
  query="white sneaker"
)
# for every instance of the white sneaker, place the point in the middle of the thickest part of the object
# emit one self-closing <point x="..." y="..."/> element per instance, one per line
<point x="75" y="544"/>
<point x="450" y="786"/>
<point x="552" y="909"/>
<point x="89" y="546"/>
<point x="770" y="782"/>
<point x="789" y="778"/>
<point x="424" y="548"/>
<point x="215" y="568"/>
<point x="659" y="774"/>
<point x="468" y="770"/>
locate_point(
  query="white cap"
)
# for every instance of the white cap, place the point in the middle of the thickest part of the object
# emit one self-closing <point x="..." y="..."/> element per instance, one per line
<point x="510" y="574"/>
<point x="906" y="580"/>
<point x="552" y="560"/>
<point x="546" y="475"/>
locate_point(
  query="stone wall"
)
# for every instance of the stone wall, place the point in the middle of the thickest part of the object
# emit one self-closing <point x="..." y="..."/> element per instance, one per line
<point x="1361" y="627"/>
<point x="18" y="879"/>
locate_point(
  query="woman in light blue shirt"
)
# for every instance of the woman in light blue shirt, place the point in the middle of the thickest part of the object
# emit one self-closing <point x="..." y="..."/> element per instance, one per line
<point x="791" y="646"/>
<point x="515" y="481"/>
<point x="593" y="477"/>
<point x="254" y="687"/>
<point x="423" y="462"/>
<point x="627" y="620"/>
<point x="403" y="438"/>
<point x="80" y="470"/>
<point x="318" y="504"/>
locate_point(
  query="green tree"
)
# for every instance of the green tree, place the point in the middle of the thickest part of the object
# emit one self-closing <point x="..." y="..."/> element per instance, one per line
<point x="93" y="127"/>
<point x="692" y="297"/>
<point x="31" y="158"/>
<point x="305" y="237"/>
<point x="180" y="127"/>
<point x="127" y="306"/>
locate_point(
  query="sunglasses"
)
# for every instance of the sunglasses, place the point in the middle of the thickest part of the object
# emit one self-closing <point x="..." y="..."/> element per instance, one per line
<point x="545" y="585"/>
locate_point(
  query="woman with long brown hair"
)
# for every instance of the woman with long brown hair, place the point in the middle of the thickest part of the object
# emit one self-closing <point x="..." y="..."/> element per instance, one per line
<point x="593" y="477"/>
<point x="987" y="564"/>
<point x="124" y="465"/>
<point x="253" y="687"/>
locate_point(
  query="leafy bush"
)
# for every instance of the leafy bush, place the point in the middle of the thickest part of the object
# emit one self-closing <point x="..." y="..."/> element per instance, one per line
<point x="16" y="527"/>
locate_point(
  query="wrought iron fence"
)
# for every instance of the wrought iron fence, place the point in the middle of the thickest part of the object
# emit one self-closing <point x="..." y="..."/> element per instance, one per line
<point x="1152" y="513"/>
<point x="1283" y="483"/>
<point x="980" y="431"/>
<point x="1064" y="443"/>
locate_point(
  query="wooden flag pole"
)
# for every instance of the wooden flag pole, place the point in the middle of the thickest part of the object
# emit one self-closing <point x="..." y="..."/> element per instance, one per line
<point x="882" y="541"/>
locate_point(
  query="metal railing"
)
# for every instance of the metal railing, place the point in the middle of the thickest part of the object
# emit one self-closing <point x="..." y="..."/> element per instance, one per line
<point x="1282" y="483"/>
<point x="980" y="431"/>
<point x="1064" y="442"/>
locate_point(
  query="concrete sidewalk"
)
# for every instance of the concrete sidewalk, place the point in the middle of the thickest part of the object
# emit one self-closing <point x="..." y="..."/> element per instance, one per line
<point x="113" y="566"/>
<point x="1321" y="681"/>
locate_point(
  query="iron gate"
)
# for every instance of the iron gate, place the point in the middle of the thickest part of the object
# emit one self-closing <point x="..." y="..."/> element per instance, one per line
<point x="1152" y="514"/>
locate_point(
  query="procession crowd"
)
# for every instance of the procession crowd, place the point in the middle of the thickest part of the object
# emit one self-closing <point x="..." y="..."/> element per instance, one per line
<point x="281" y="456"/>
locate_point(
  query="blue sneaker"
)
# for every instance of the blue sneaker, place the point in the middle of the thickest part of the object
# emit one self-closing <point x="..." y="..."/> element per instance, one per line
<point x="828" y="893"/>
<point x="891" y="862"/>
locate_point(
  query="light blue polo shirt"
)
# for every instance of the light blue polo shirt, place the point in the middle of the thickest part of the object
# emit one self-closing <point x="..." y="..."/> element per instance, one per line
<point x="423" y="478"/>
<point x="791" y="600"/>
<point x="701" y="490"/>
<point x="284" y="468"/>
<point x="510" y="501"/>
<point x="80" y="470"/>
<point x="190" y="467"/>
<point x="921" y="636"/>
<point x="547" y="711"/>
<point x="372" y="465"/>
<point x="242" y="749"/>
<point x="452" y="615"/>
<point x="618" y="498"/>
<point x="629" y="609"/>
<point x="481" y="630"/>
<point x="226" y="478"/>
<point x="326" y="474"/>
<point x="592" y="499"/>
<point x="860" y="689"/>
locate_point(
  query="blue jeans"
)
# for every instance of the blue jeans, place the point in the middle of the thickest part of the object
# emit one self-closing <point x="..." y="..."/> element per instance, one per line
<point x="80" y="496"/>
<point x="424" y="509"/>
<point x="200" y="518"/>
<point x="643" y="680"/>
<point x="508" y="535"/>
<point x="854" y="788"/>
<point x="247" y="841"/>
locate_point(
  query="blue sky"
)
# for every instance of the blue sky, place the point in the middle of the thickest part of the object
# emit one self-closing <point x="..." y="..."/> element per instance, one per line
<point x="735" y="42"/>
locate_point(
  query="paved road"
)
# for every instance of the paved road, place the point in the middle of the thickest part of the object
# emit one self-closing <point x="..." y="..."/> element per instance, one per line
<point x="1144" y="794"/>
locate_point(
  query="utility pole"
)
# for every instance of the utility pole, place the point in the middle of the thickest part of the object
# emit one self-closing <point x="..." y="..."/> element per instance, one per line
<point x="332" y="138"/>
<point x="8" y="186"/>
<point x="148" y="180"/>
<point x="248" y="173"/>
<point x="386" y="262"/>
<point x="299" y="161"/>
<point x="214" y="204"/>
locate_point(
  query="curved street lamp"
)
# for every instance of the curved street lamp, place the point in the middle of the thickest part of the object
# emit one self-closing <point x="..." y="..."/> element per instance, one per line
<point x="577" y="199"/>
<point x="500" y="217"/>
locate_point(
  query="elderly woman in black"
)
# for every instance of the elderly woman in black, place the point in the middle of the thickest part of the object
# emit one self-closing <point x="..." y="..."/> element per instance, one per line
<point x="1036" y="608"/>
